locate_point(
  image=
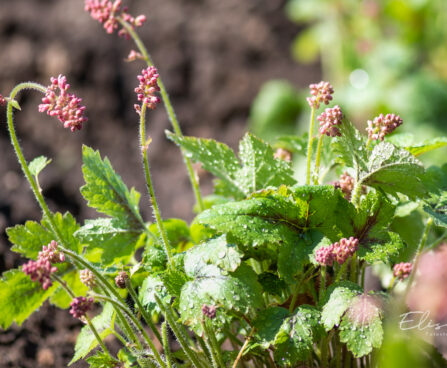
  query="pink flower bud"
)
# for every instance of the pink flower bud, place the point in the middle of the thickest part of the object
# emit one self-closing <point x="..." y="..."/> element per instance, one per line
<point x="383" y="125"/>
<point x="148" y="87"/>
<point x="87" y="278"/>
<point x="329" y="120"/>
<point x="80" y="306"/>
<point x="321" y="92"/>
<point x="324" y="256"/>
<point x="283" y="154"/>
<point x="402" y="270"/>
<point x="209" y="311"/>
<point x="65" y="106"/>
<point x="3" y="101"/>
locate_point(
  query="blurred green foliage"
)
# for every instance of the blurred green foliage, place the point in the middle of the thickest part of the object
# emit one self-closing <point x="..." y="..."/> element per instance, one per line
<point x="380" y="55"/>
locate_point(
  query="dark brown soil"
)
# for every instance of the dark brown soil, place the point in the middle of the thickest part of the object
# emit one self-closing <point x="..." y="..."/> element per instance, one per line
<point x="213" y="56"/>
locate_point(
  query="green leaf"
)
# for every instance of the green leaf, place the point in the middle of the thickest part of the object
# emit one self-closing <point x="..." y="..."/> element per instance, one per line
<point x="20" y="297"/>
<point x="28" y="239"/>
<point x="215" y="251"/>
<point x="259" y="168"/>
<point x="229" y="291"/>
<point x="337" y="300"/>
<point x="38" y="164"/>
<point x="294" y="341"/>
<point x="371" y="227"/>
<point x="173" y="279"/>
<point x="293" y="143"/>
<point x="86" y="341"/>
<point x="111" y="237"/>
<point x="394" y="170"/>
<point x="436" y="204"/>
<point x="361" y="329"/>
<point x="407" y="141"/>
<point x="101" y="360"/>
<point x="350" y="147"/>
<point x="215" y="157"/>
<point x="105" y="191"/>
<point x="15" y="104"/>
<point x="270" y="218"/>
<point x="271" y="283"/>
<point x="267" y="325"/>
<point x="153" y="285"/>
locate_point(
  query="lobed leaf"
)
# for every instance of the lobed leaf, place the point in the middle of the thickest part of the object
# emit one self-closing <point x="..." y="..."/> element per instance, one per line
<point x="105" y="191"/>
<point x="394" y="170"/>
<point x="111" y="238"/>
<point x="38" y="164"/>
<point x="20" y="297"/>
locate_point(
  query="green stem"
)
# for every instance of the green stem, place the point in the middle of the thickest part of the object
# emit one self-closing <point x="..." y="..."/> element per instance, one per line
<point x="170" y="111"/>
<point x="317" y="160"/>
<point x="324" y="352"/>
<point x="210" y="347"/>
<point x="137" y="323"/>
<point x="341" y="271"/>
<point x="309" y="145"/>
<point x="418" y="253"/>
<point x="178" y="334"/>
<point x="214" y="344"/>
<point x="322" y="283"/>
<point x="241" y="352"/>
<point x="354" y="275"/>
<point x="87" y="319"/>
<point x="143" y="311"/>
<point x="297" y="289"/>
<point x="150" y="187"/>
<point x="166" y="348"/>
<point x="356" y="194"/>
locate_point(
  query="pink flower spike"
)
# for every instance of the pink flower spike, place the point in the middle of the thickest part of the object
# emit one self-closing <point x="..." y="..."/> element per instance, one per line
<point x="148" y="87"/>
<point x="65" y="106"/>
<point x="80" y="306"/>
<point x="40" y="271"/>
<point x="324" y="256"/>
<point x="321" y="92"/>
<point x="402" y="270"/>
<point x="383" y="125"/>
<point x="344" y="249"/>
<point x="329" y="120"/>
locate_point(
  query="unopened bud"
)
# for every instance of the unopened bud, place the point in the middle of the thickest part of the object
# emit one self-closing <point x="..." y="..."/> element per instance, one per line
<point x="121" y="279"/>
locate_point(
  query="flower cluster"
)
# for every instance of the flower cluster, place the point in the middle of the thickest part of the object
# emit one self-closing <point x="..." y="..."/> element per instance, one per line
<point x="110" y="13"/>
<point x="147" y="88"/>
<point x="41" y="269"/>
<point x="87" y="278"/>
<point x="320" y="92"/>
<point x="329" y="120"/>
<point x="209" y="311"/>
<point x="65" y="106"/>
<point x="337" y="252"/>
<point x="80" y="306"/>
<point x="3" y="101"/>
<point x="383" y="125"/>
<point x="121" y="279"/>
<point x="402" y="270"/>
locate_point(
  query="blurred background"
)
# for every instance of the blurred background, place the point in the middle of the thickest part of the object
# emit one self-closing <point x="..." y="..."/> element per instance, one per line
<point x="229" y="66"/>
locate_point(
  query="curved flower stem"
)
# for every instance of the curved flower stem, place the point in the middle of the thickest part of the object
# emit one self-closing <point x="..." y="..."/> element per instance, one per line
<point x="213" y="345"/>
<point x="170" y="111"/>
<point x="241" y="352"/>
<point x="143" y="311"/>
<point x="210" y="347"/>
<point x="39" y="197"/>
<point x="137" y="323"/>
<point x="89" y="322"/>
<point x="318" y="159"/>
<point x="309" y="145"/>
<point x="150" y="187"/>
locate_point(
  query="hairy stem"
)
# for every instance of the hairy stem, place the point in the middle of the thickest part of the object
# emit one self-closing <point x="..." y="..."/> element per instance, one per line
<point x="150" y="187"/>
<point x="318" y="159"/>
<point x="166" y="348"/>
<point x="137" y="323"/>
<point x="309" y="145"/>
<point x="170" y="111"/>
<point x="143" y="311"/>
<point x="87" y="319"/>
<point x="192" y="356"/>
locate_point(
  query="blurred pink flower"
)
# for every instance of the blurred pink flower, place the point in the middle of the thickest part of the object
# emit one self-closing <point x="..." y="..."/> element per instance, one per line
<point x="321" y="92"/>
<point x="383" y="125"/>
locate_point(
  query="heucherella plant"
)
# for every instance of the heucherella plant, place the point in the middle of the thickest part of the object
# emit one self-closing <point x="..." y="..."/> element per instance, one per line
<point x="270" y="273"/>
